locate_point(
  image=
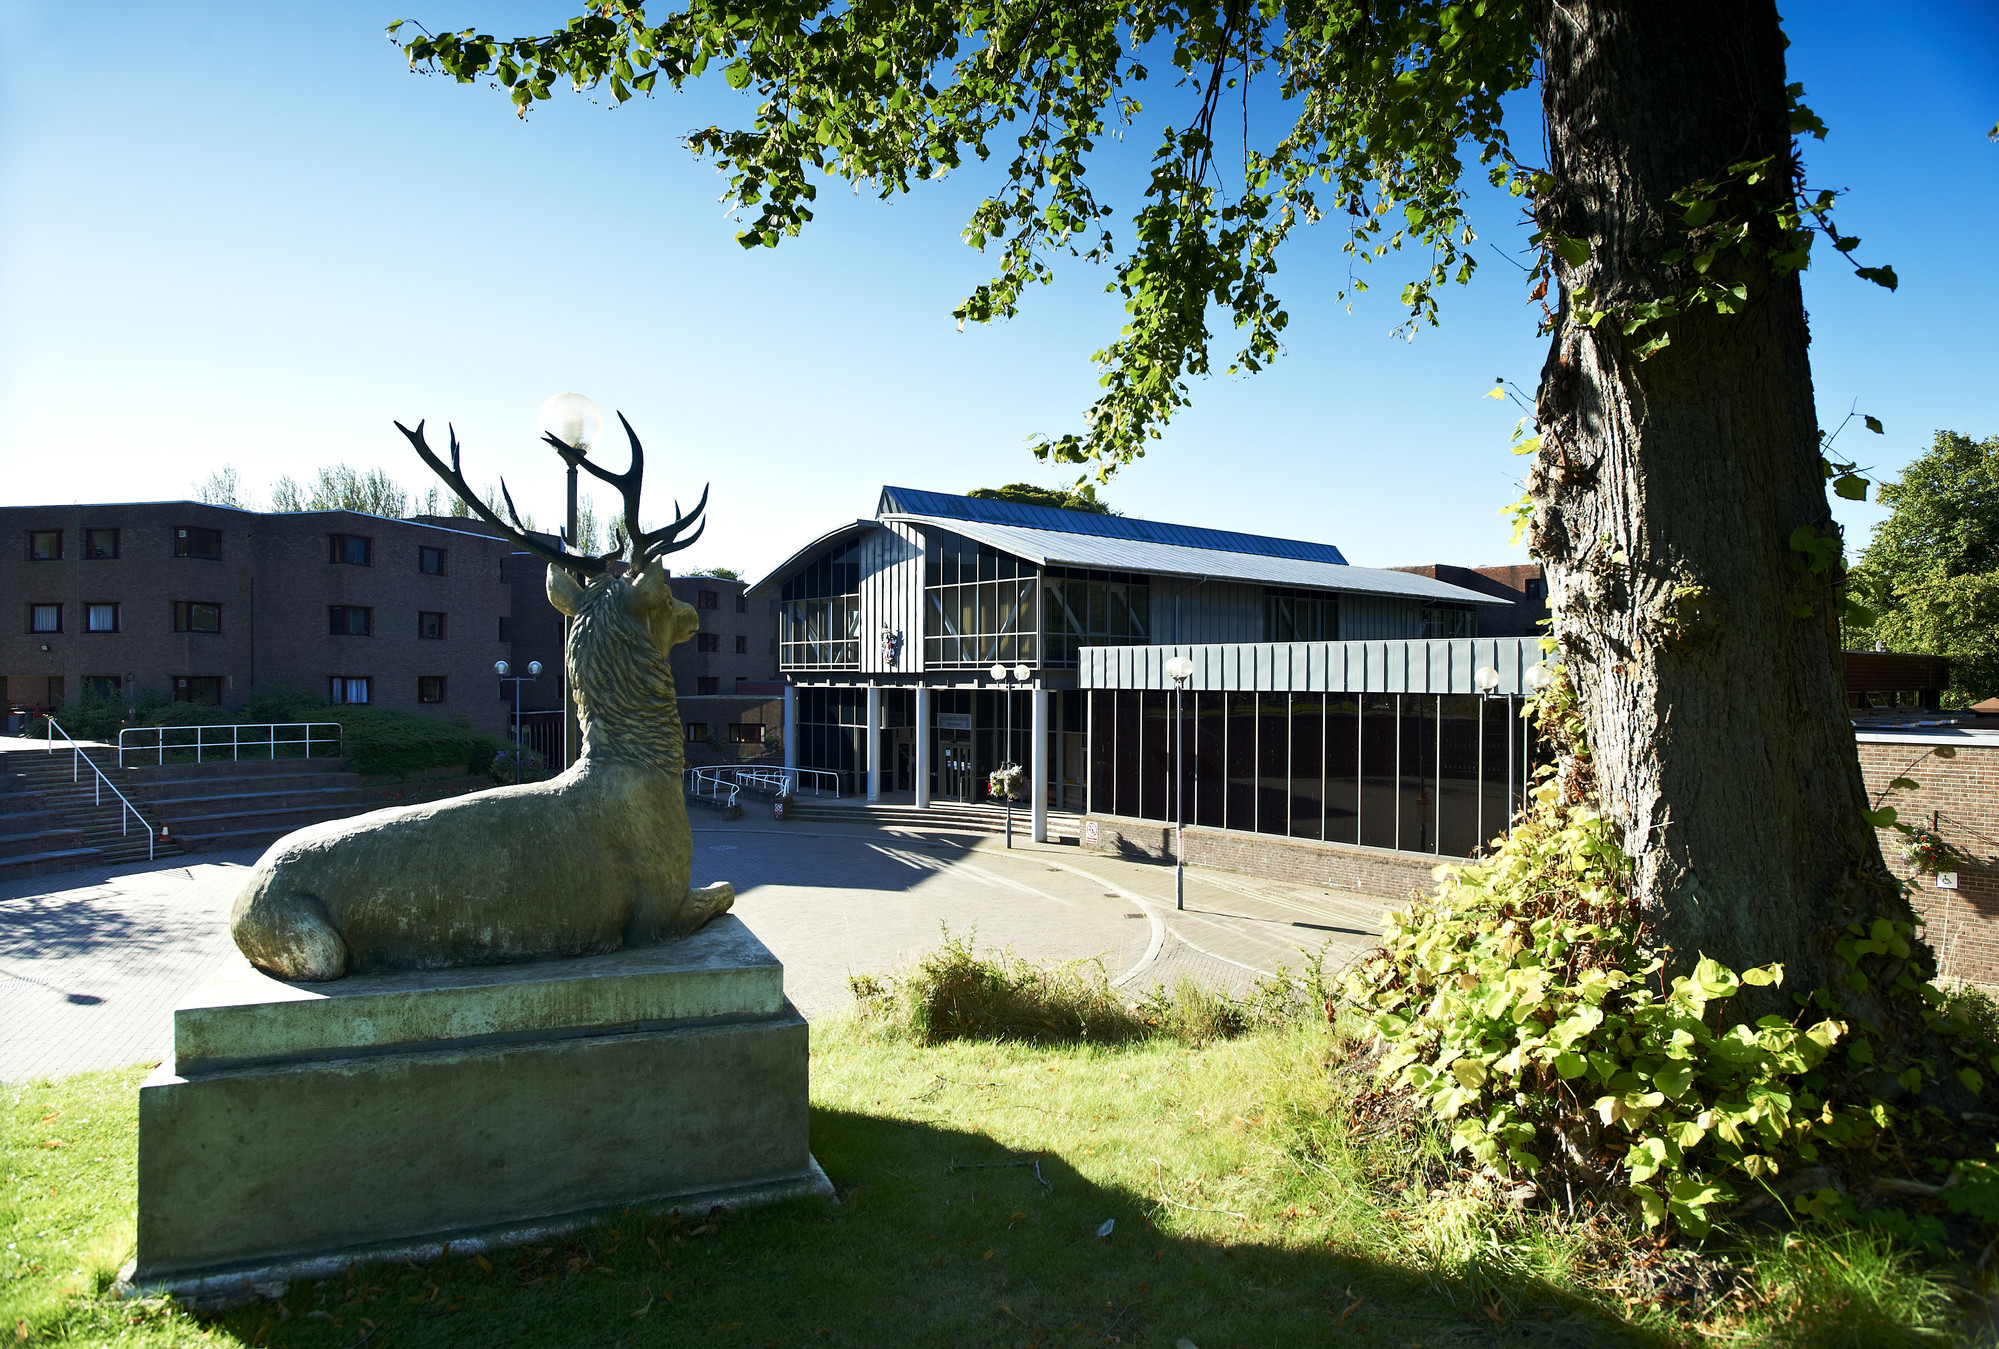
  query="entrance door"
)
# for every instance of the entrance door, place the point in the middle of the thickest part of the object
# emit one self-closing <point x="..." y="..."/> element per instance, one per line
<point x="904" y="759"/>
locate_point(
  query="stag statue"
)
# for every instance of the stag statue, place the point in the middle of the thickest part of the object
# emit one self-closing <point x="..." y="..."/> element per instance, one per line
<point x="587" y="862"/>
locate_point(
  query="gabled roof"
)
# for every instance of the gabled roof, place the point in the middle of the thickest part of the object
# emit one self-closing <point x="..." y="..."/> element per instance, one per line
<point x="944" y="506"/>
<point x="1053" y="548"/>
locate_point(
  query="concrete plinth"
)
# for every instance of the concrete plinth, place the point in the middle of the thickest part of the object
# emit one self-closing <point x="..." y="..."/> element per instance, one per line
<point x="300" y="1127"/>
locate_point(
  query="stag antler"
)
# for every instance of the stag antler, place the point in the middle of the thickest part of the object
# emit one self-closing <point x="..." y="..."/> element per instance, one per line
<point x="645" y="546"/>
<point x="583" y="564"/>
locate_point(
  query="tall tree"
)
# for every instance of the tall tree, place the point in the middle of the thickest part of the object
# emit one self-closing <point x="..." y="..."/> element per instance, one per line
<point x="224" y="487"/>
<point x="1677" y="495"/>
<point x="341" y="487"/>
<point x="1083" y="498"/>
<point x="1931" y="571"/>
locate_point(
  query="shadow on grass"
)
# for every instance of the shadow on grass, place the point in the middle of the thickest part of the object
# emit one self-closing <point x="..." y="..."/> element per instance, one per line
<point x="914" y="1253"/>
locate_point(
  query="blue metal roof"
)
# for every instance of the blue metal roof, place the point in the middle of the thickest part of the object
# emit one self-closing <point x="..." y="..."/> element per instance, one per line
<point x="909" y="501"/>
<point x="1053" y="548"/>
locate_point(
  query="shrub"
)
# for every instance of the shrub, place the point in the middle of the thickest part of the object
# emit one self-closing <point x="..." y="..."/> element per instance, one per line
<point x="533" y="765"/>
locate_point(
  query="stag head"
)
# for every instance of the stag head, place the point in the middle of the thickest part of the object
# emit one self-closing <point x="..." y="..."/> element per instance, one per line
<point x="636" y="546"/>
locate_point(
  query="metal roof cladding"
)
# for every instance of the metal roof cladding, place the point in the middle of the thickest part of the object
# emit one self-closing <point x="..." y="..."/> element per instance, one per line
<point x="909" y="501"/>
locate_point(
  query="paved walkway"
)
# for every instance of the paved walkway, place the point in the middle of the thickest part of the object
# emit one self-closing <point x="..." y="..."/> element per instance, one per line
<point x="92" y="963"/>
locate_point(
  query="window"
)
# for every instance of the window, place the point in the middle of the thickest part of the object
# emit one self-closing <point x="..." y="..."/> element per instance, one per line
<point x="742" y="646"/>
<point x="430" y="561"/>
<point x="707" y="641"/>
<point x="203" y="689"/>
<point x="1449" y="620"/>
<point x="194" y="541"/>
<point x="1300" y="616"/>
<point x="100" y="544"/>
<point x="1537" y="589"/>
<point x="707" y="684"/>
<point x="742" y="602"/>
<point x="979" y="603"/>
<point x="745" y="733"/>
<point x="348" y="620"/>
<point x="430" y="688"/>
<point x="707" y="599"/>
<point x="697" y="730"/>
<point x="45" y="618"/>
<point x="100" y="618"/>
<point x="108" y="687"/>
<point x="195" y="616"/>
<point x="45" y="545"/>
<point x="350" y="549"/>
<point x="430" y="626"/>
<point x="1092" y="608"/>
<point x="348" y="689"/>
<point x="819" y="616"/>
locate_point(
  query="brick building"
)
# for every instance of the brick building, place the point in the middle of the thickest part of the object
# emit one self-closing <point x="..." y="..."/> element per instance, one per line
<point x="1522" y="586"/>
<point x="209" y="604"/>
<point x="725" y="677"/>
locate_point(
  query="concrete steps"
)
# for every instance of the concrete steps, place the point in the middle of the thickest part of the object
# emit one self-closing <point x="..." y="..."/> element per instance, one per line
<point x="50" y="823"/>
<point x="254" y="803"/>
<point x="954" y="816"/>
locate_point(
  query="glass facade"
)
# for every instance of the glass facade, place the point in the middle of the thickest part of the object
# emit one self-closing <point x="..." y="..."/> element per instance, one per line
<point x="1300" y="616"/>
<point x="1416" y="772"/>
<point x="819" y="613"/>
<point x="1449" y="620"/>
<point x="978" y="604"/>
<point x="1093" y="608"/>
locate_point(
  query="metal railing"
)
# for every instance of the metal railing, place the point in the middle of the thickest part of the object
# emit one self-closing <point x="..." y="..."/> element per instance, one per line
<point x="77" y="758"/>
<point x="713" y="784"/>
<point x="176" y="740"/>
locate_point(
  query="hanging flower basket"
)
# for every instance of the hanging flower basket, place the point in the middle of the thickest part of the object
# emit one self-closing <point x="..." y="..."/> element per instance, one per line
<point x="1005" y="782"/>
<point x="1928" y="853"/>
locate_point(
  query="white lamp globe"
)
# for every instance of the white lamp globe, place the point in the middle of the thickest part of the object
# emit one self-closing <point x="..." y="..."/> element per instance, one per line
<point x="572" y="419"/>
<point x="1486" y="678"/>
<point x="998" y="673"/>
<point x="1022" y="673"/>
<point x="500" y="668"/>
<point x="1179" y="669"/>
<point x="534" y="667"/>
<point x="1540" y="677"/>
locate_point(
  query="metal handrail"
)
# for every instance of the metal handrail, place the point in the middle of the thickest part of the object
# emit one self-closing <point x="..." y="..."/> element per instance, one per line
<point x="815" y="773"/>
<point x="714" y="779"/>
<point x="76" y="754"/>
<point x="235" y="742"/>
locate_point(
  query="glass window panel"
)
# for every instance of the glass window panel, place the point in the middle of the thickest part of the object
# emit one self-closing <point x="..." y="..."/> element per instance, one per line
<point x="1273" y="762"/>
<point x="1241" y="810"/>
<point x="1377" y="770"/>
<point x="1102" y="734"/>
<point x="1416" y="830"/>
<point x="1342" y="768"/>
<point x="1308" y="727"/>
<point x="1207" y="724"/>
<point x="1126" y="791"/>
<point x="1457" y="775"/>
<point x="1140" y="598"/>
<point x="1156" y="799"/>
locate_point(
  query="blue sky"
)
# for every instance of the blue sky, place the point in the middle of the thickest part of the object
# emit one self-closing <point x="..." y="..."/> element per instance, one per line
<point x="247" y="234"/>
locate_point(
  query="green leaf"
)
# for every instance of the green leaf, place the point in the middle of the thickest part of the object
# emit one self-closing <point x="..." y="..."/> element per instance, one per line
<point x="1850" y="487"/>
<point x="1873" y="423"/>
<point x="1575" y="252"/>
<point x="1880" y="819"/>
<point x="1675" y="1080"/>
<point x="738" y="75"/>
<point x="1569" y="1064"/>
<point x="1973" y="1083"/>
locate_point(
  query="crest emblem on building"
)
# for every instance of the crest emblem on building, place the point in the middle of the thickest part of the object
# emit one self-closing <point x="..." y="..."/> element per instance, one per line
<point x="891" y="648"/>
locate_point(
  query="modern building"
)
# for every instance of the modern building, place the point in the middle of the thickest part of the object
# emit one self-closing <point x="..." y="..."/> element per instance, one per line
<point x="946" y="635"/>
<point x="210" y="604"/>
<point x="1521" y="585"/>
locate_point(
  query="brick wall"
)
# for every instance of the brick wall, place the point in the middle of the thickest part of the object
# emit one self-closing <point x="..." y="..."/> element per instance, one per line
<point x="1962" y="791"/>
<point x="1390" y="876"/>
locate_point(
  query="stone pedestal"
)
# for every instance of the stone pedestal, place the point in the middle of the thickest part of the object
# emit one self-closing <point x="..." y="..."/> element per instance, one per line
<point x="300" y="1127"/>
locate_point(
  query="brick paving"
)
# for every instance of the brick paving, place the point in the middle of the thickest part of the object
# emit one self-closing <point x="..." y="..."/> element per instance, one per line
<point x="92" y="962"/>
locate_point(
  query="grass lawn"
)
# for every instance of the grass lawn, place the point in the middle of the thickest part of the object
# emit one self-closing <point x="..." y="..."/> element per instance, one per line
<point x="1208" y="1196"/>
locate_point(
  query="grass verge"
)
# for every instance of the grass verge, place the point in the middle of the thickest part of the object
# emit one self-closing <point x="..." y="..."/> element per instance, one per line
<point x="1003" y="1193"/>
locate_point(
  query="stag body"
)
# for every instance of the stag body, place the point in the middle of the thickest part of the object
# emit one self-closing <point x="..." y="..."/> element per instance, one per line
<point x="590" y="861"/>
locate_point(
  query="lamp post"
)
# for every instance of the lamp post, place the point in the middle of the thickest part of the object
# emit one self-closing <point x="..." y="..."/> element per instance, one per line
<point x="500" y="669"/>
<point x="570" y="422"/>
<point x="1000" y="676"/>
<point x="1179" y="670"/>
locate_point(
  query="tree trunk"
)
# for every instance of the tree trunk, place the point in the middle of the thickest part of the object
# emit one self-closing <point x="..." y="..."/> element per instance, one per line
<point x="1666" y="493"/>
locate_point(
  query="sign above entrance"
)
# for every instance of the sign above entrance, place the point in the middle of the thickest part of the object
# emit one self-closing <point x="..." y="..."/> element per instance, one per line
<point x="954" y="721"/>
